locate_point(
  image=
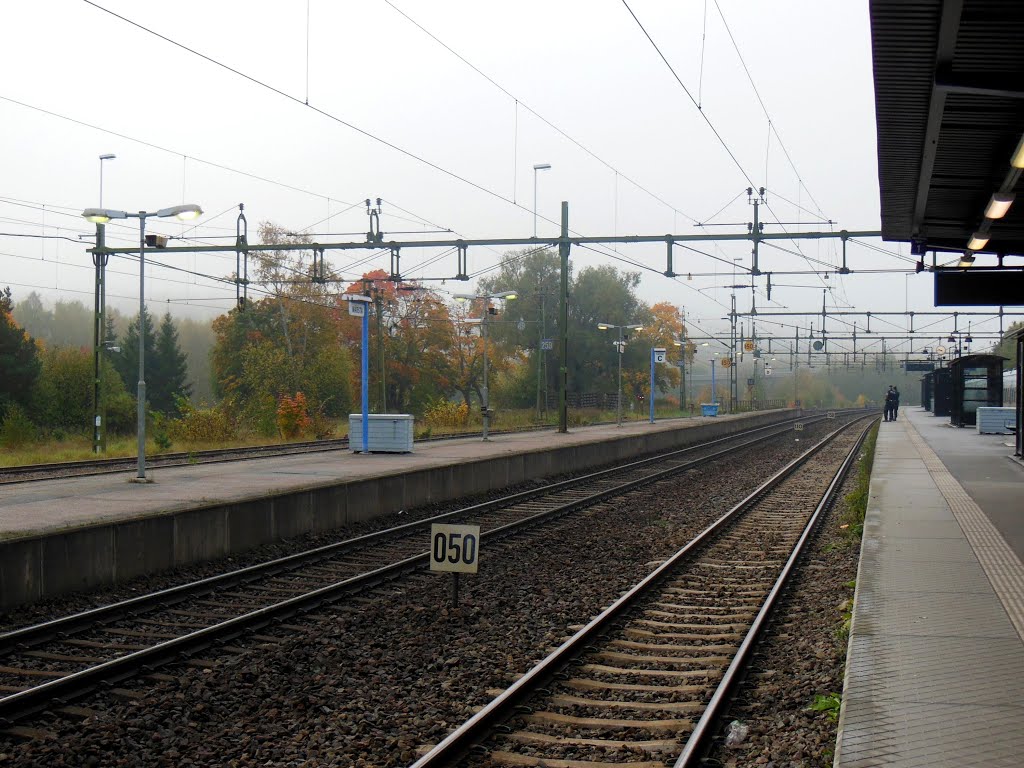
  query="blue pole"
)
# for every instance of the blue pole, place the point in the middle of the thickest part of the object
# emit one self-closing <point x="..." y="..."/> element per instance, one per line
<point x="365" y="360"/>
<point x="713" y="401"/>
<point x="652" y="385"/>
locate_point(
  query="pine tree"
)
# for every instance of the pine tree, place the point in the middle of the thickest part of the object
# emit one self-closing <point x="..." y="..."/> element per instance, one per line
<point x="170" y="369"/>
<point x="127" y="361"/>
<point x="19" y="361"/>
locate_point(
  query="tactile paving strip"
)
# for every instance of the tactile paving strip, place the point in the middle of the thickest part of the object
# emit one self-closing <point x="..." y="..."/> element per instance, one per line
<point x="1001" y="564"/>
<point x="934" y="736"/>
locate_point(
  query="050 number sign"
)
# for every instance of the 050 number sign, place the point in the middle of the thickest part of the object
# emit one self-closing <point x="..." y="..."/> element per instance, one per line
<point x="454" y="548"/>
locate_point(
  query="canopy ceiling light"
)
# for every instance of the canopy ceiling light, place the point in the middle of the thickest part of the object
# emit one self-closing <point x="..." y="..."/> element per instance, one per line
<point x="967" y="260"/>
<point x="978" y="241"/>
<point x="999" y="205"/>
<point x="1017" y="161"/>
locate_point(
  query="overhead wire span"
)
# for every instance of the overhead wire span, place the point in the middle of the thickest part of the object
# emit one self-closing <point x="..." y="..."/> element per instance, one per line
<point x="322" y="112"/>
<point x="520" y="103"/>
<point x="686" y="90"/>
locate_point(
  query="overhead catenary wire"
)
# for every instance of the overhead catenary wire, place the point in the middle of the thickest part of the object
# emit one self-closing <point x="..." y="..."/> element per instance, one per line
<point x="519" y="103"/>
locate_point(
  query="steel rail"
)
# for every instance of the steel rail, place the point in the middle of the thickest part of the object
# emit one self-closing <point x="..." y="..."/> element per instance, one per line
<point x="18" y="705"/>
<point x="699" y="741"/>
<point x="215" y="456"/>
<point x="470" y="734"/>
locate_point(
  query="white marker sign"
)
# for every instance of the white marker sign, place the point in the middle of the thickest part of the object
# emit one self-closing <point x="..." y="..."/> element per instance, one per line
<point x="454" y="548"/>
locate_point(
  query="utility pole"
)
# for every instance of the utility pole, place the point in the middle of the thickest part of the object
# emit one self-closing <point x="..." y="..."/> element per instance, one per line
<point x="563" y="320"/>
<point x="682" y="359"/>
<point x="541" y="405"/>
<point x="734" y="368"/>
<point x="99" y="260"/>
<point x="378" y="304"/>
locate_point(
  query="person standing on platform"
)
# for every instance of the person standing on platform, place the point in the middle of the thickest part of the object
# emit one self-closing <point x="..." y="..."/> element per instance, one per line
<point x="887" y="413"/>
<point x="895" y="402"/>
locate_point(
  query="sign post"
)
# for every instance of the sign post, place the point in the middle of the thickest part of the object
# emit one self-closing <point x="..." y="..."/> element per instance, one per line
<point x="358" y="305"/>
<point x="657" y="356"/>
<point x="456" y="549"/>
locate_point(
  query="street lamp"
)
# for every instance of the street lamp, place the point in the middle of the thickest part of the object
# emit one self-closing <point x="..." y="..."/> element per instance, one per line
<point x="620" y="345"/>
<point x="102" y="158"/>
<point x="101" y="216"/>
<point x="538" y="167"/>
<point x="508" y="296"/>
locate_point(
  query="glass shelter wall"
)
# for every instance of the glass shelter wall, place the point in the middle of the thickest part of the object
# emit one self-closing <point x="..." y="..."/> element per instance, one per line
<point x="977" y="380"/>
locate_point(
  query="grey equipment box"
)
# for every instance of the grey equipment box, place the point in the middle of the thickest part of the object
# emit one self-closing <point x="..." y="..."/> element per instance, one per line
<point x="387" y="433"/>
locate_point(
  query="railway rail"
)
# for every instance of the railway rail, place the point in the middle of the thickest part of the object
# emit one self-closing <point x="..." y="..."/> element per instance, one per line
<point x="70" y="656"/>
<point x="47" y="471"/>
<point x="643" y="683"/>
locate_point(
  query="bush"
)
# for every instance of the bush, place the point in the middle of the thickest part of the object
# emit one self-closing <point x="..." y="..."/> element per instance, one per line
<point x="17" y="428"/>
<point x="122" y="417"/>
<point x="160" y="431"/>
<point x="201" y="425"/>
<point x="292" y="416"/>
<point x="445" y="414"/>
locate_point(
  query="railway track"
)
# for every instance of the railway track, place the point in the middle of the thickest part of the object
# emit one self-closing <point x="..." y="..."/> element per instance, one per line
<point x="28" y="472"/>
<point x="32" y="472"/>
<point x="70" y="656"/>
<point x="643" y="682"/>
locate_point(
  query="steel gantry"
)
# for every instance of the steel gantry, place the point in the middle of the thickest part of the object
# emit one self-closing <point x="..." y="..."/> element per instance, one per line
<point x="563" y="242"/>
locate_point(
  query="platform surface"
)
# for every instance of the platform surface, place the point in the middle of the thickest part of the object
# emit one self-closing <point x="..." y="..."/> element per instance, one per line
<point x="935" y="670"/>
<point x="39" y="507"/>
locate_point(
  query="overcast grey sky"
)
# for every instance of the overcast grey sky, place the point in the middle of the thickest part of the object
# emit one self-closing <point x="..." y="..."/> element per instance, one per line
<point x="187" y="130"/>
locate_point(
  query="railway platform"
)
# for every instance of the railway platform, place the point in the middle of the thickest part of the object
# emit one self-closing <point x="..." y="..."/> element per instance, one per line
<point x="75" y="533"/>
<point x="935" y="667"/>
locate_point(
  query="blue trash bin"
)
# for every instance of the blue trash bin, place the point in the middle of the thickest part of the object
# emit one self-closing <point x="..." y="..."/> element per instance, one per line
<point x="709" y="409"/>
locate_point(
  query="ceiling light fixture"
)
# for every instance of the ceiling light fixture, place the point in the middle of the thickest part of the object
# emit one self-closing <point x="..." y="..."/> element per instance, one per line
<point x="978" y="241"/>
<point x="999" y="205"/>
<point x="1017" y="160"/>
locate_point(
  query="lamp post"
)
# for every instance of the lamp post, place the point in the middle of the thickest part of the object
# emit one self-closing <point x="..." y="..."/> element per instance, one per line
<point x="99" y="261"/>
<point x="620" y="345"/>
<point x="102" y="158"/>
<point x="101" y="216"/>
<point x="507" y="295"/>
<point x="714" y="399"/>
<point x="538" y="167"/>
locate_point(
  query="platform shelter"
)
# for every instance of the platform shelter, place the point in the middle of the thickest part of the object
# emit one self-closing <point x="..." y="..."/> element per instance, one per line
<point x="977" y="380"/>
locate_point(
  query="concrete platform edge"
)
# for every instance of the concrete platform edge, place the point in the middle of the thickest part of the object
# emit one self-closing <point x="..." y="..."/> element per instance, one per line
<point x="55" y="562"/>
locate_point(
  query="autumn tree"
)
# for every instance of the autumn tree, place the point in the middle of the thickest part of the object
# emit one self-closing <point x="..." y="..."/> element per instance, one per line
<point x="291" y="341"/>
<point x="535" y="275"/>
<point x="411" y="338"/>
<point x="19" y="361"/>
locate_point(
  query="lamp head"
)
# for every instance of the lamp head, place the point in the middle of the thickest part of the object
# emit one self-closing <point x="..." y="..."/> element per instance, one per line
<point x="102" y="215"/>
<point x="504" y="295"/>
<point x="603" y="326"/>
<point x="181" y="212"/>
<point x="107" y="157"/>
<point x="542" y="167"/>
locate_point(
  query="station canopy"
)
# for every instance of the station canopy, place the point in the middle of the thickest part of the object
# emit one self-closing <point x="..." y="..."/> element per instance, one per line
<point x="949" y="102"/>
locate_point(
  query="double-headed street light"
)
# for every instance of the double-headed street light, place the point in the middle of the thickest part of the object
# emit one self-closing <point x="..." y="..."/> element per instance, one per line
<point x="538" y="167"/>
<point x="101" y="216"/>
<point x="507" y="295"/>
<point x="620" y="345"/>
